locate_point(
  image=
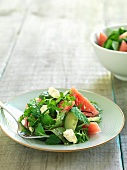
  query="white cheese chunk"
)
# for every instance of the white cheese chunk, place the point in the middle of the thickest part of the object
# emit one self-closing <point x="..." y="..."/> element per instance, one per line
<point x="37" y="99"/>
<point x="43" y="109"/>
<point x="54" y="92"/>
<point x="23" y="122"/>
<point x="31" y="129"/>
<point x="70" y="135"/>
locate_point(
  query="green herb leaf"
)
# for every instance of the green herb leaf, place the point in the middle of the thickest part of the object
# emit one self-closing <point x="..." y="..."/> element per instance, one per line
<point x="82" y="136"/>
<point x="46" y="120"/>
<point x="59" y="132"/>
<point x="53" y="140"/>
<point x="108" y="44"/>
<point x="59" y="120"/>
<point x="39" y="131"/>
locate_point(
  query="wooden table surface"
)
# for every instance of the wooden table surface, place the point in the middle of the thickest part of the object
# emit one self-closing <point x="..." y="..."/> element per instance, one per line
<point x="47" y="43"/>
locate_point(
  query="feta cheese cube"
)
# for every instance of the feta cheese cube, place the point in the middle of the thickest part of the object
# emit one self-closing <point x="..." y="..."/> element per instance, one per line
<point x="54" y="92"/>
<point x="44" y="108"/>
<point x="70" y="135"/>
<point x="31" y="129"/>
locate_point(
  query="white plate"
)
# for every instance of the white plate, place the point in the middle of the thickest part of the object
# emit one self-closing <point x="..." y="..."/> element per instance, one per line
<point x="111" y="125"/>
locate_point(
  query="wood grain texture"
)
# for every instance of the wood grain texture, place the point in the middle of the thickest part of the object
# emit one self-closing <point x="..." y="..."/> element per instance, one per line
<point x="120" y="93"/>
<point x="114" y="12"/>
<point x="11" y="20"/>
<point x="53" y="49"/>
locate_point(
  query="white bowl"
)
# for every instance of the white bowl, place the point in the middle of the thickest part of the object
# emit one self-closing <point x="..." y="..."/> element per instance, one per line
<point x="114" y="61"/>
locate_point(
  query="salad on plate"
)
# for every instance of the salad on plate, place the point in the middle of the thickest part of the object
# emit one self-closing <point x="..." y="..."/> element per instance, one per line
<point x="62" y="117"/>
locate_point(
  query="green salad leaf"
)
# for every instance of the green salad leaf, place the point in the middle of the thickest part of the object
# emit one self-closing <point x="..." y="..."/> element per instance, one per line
<point x="82" y="136"/>
<point x="47" y="120"/>
<point x="58" y="120"/>
<point x="59" y="132"/>
<point x="53" y="140"/>
<point x="39" y="130"/>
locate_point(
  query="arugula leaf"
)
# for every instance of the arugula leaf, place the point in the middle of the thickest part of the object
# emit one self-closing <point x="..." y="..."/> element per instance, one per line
<point x="39" y="131"/>
<point x="82" y="136"/>
<point x="79" y="115"/>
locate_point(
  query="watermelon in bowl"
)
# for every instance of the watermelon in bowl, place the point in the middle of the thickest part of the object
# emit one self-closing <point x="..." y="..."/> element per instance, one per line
<point x="114" y="61"/>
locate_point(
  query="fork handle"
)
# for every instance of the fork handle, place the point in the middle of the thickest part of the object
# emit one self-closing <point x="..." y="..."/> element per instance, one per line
<point x="3" y="106"/>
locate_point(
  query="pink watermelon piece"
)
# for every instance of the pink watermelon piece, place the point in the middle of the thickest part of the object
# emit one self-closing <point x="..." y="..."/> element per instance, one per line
<point x="123" y="46"/>
<point x="93" y="128"/>
<point x="101" y="39"/>
<point x="83" y="103"/>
